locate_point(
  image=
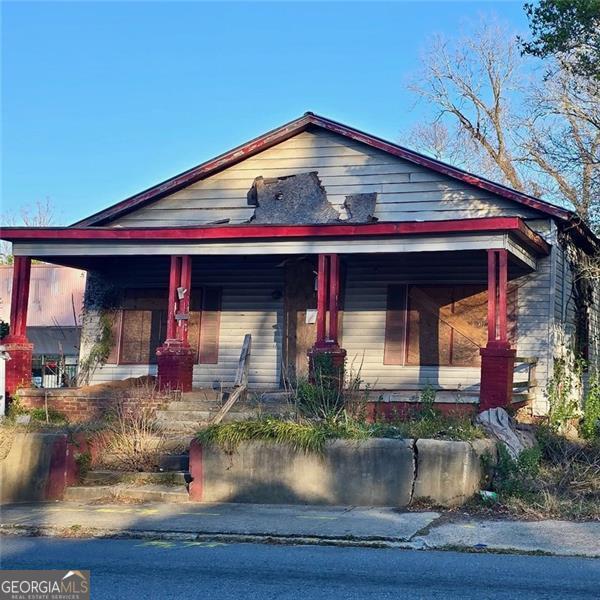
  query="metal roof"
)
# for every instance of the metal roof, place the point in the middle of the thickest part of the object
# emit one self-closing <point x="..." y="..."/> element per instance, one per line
<point x="55" y="295"/>
<point x="55" y="340"/>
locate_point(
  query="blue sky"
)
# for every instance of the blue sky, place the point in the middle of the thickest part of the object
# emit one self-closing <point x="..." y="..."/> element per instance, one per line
<point x="101" y="100"/>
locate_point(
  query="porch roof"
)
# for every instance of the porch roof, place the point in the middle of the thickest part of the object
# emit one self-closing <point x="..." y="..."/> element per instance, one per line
<point x="501" y="232"/>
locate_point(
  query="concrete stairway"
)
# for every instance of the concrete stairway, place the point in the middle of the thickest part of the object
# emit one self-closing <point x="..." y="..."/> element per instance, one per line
<point x="196" y="409"/>
<point x="115" y="486"/>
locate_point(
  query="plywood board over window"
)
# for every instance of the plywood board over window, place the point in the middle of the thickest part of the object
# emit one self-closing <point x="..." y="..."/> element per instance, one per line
<point x="439" y="325"/>
<point x="204" y="324"/>
<point x="140" y="326"/>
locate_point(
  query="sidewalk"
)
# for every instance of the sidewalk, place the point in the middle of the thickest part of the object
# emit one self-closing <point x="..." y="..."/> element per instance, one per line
<point x="379" y="527"/>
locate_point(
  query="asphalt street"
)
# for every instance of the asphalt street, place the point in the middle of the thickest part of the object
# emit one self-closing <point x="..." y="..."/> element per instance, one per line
<point x="161" y="569"/>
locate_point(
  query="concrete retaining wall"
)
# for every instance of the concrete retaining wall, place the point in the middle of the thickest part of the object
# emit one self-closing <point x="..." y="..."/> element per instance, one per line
<point x="376" y="472"/>
<point x="38" y="466"/>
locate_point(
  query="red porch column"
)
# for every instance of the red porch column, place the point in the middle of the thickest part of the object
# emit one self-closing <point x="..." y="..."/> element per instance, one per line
<point x="18" y="368"/>
<point x="497" y="358"/>
<point x="175" y="358"/>
<point x="328" y="290"/>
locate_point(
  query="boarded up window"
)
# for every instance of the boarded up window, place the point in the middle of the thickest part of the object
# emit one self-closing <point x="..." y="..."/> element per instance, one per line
<point x="139" y="328"/>
<point x="439" y="325"/>
<point x="142" y="331"/>
<point x="395" y="326"/>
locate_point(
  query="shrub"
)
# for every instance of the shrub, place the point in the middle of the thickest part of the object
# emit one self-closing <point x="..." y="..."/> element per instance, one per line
<point x="559" y="478"/>
<point x="563" y="390"/>
<point x="590" y="425"/>
<point x="133" y="439"/>
<point x="53" y="416"/>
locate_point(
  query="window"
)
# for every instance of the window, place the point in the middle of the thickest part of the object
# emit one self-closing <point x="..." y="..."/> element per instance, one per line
<point x="139" y="328"/>
<point x="142" y="331"/>
<point x="439" y="325"/>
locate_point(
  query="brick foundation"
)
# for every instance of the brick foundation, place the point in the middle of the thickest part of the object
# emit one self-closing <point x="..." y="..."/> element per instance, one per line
<point x="175" y="366"/>
<point x="338" y="362"/>
<point x="18" y="368"/>
<point x="497" y="372"/>
<point x="86" y="405"/>
<point x="398" y="411"/>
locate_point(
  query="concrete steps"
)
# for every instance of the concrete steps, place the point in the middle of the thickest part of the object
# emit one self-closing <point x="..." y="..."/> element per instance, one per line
<point x="119" y="486"/>
<point x="127" y="493"/>
<point x="167" y="478"/>
<point x="196" y="409"/>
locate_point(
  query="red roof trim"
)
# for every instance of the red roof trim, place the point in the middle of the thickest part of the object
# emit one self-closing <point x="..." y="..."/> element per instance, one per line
<point x="230" y="232"/>
<point x="287" y="131"/>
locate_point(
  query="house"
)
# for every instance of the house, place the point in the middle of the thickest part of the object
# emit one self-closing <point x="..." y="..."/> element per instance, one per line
<point x="317" y="238"/>
<point x="53" y="320"/>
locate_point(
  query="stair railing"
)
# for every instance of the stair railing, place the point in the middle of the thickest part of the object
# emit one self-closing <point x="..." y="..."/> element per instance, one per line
<point x="240" y="384"/>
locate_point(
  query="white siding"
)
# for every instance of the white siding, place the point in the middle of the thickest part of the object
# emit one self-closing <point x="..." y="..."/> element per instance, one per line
<point x="248" y="306"/>
<point x="364" y="318"/>
<point x="406" y="192"/>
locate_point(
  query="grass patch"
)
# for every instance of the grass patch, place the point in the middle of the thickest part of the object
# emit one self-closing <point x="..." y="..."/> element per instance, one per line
<point x="311" y="435"/>
<point x="432" y="427"/>
<point x="53" y="416"/>
<point x="307" y="436"/>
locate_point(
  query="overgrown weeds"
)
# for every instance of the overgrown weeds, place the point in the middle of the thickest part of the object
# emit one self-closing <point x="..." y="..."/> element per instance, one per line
<point x="324" y="412"/>
<point x="307" y="436"/>
<point x="133" y="440"/>
<point x="590" y="424"/>
<point x="325" y="396"/>
<point x="559" y="478"/>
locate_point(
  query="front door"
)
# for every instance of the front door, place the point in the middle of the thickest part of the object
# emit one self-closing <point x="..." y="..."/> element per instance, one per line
<point x="300" y="315"/>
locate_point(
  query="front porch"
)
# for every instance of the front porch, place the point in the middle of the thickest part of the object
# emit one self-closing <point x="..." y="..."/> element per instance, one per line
<point x="413" y="306"/>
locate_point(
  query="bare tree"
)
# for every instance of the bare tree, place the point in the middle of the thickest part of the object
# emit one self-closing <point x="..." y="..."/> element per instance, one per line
<point x="469" y="82"/>
<point x="537" y="134"/>
<point x="40" y="214"/>
<point x="562" y="140"/>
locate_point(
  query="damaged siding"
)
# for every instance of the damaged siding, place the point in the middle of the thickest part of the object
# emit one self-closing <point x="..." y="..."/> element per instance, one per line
<point x="405" y="192"/>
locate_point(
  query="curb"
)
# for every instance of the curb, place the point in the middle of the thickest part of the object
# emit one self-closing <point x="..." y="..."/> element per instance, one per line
<point x="190" y="536"/>
<point x="246" y="538"/>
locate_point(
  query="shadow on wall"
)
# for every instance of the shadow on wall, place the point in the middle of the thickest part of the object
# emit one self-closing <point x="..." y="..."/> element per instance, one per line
<point x="35" y="466"/>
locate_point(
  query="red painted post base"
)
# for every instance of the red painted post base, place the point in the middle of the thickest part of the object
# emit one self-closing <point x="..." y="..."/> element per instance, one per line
<point x="18" y="368"/>
<point x="175" y="366"/>
<point x="326" y="363"/>
<point x="196" y="485"/>
<point x="497" y="371"/>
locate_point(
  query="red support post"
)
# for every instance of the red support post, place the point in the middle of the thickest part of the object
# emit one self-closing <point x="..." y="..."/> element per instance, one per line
<point x="185" y="284"/>
<point x="175" y="358"/>
<point x="497" y="358"/>
<point x="18" y="368"/>
<point x="322" y="284"/>
<point x="328" y="290"/>
<point x="334" y="291"/>
<point x="492" y="292"/>
<point x="174" y="277"/>
<point x="502" y="295"/>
